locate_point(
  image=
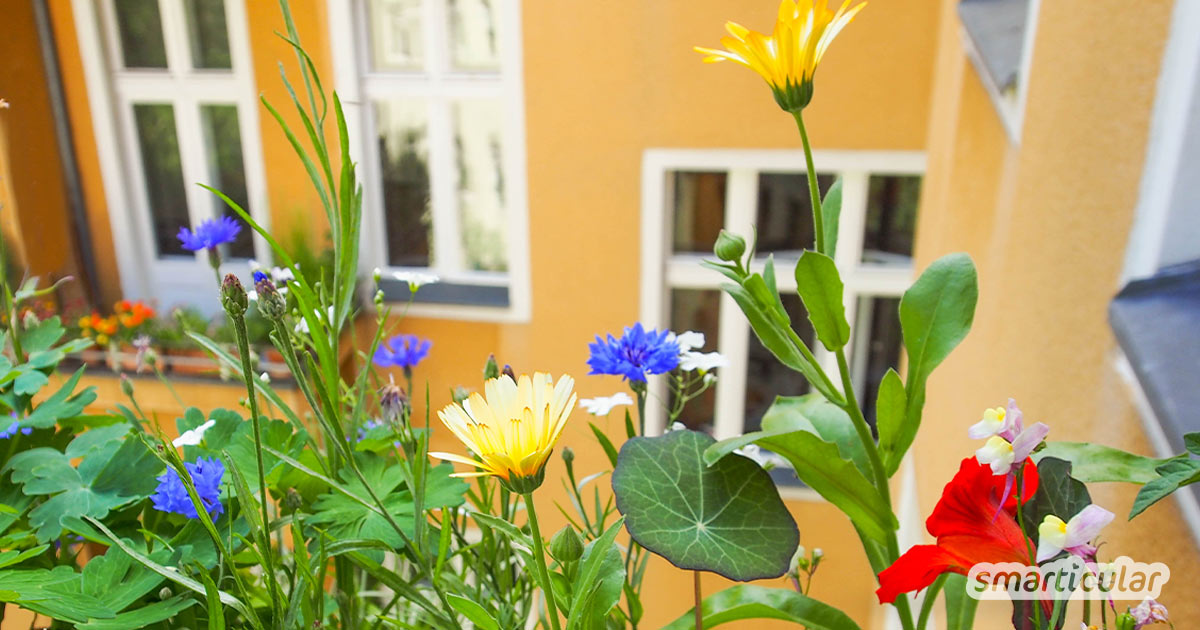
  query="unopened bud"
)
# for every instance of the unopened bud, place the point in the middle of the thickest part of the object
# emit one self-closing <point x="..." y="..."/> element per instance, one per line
<point x="126" y="386"/>
<point x="270" y="302"/>
<point x="233" y="296"/>
<point x="566" y="546"/>
<point x="165" y="593"/>
<point x="392" y="401"/>
<point x="1126" y="621"/>
<point x="292" y="500"/>
<point x="490" y="369"/>
<point x="729" y="246"/>
<point x="459" y="394"/>
<point x="508" y="371"/>
<point x="377" y="275"/>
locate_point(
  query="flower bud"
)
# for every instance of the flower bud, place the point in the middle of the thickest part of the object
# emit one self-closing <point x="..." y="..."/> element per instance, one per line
<point x="568" y="455"/>
<point x="1125" y="621"/>
<point x="270" y="303"/>
<point x="566" y="546"/>
<point x="490" y="369"/>
<point x="508" y="371"/>
<point x="729" y="246"/>
<point x="126" y="386"/>
<point x="459" y="394"/>
<point x="165" y="593"/>
<point x="392" y="401"/>
<point x="233" y="296"/>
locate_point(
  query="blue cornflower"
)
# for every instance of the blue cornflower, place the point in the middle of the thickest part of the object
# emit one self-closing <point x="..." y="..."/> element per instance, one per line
<point x="637" y="354"/>
<point x="209" y="234"/>
<point x="259" y="276"/>
<point x="171" y="496"/>
<point x="13" y="429"/>
<point x="402" y="351"/>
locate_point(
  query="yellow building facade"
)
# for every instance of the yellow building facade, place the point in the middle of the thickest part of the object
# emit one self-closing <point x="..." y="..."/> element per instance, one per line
<point x="564" y="166"/>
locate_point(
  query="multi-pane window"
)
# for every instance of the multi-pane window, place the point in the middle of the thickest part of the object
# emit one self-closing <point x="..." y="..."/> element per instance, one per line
<point x="182" y="95"/>
<point x="434" y="82"/>
<point x="170" y="90"/>
<point x="689" y="196"/>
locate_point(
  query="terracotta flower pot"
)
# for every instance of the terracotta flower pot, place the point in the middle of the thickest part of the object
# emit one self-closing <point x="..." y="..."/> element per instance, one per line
<point x="191" y="361"/>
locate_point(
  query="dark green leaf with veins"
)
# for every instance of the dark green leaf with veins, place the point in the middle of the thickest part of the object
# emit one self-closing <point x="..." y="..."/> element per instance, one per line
<point x="727" y="518"/>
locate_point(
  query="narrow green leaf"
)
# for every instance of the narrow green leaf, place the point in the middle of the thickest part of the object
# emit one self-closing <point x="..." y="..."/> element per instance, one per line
<point x="212" y="601"/>
<point x="1174" y="474"/>
<point x="831" y="213"/>
<point x="692" y="514"/>
<point x="473" y="612"/>
<point x="1095" y="463"/>
<point x="820" y="287"/>
<point x="605" y="443"/>
<point x="590" y="570"/>
<point x="748" y="601"/>
<point x="890" y="407"/>
<point x="935" y="315"/>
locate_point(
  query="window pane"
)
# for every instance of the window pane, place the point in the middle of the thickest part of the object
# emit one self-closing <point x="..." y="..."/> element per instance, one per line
<point x="766" y="377"/>
<point x="208" y="34"/>
<point x="698" y="310"/>
<point x="223" y="148"/>
<point x="784" y="218"/>
<point x="699" y="210"/>
<point x="397" y="41"/>
<point x="474" y="40"/>
<point x="479" y="154"/>
<point x="891" y="219"/>
<point x="140" y="28"/>
<point x="163" y="174"/>
<point x="404" y="165"/>
<point x="879" y="317"/>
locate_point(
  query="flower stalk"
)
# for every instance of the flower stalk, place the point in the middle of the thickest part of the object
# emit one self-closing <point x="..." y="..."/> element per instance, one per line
<point x="540" y="560"/>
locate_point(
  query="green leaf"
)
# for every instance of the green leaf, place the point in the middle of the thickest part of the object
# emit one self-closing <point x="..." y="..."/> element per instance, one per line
<point x="605" y="443"/>
<point x="344" y="517"/>
<point x="64" y="403"/>
<point x="54" y="593"/>
<point x="821" y="465"/>
<point x="831" y="213"/>
<point x="1058" y="494"/>
<point x="42" y="336"/>
<point x="143" y="617"/>
<point x="113" y="472"/>
<point x="472" y="611"/>
<point x="1173" y="475"/>
<point x="820" y="287"/>
<point x="748" y="601"/>
<point x="1192" y="442"/>
<point x="726" y="518"/>
<point x="812" y="413"/>
<point x="960" y="607"/>
<point x="1095" y="463"/>
<point x="597" y="578"/>
<point x="935" y="315"/>
<point x="29" y="383"/>
<point x="891" y="404"/>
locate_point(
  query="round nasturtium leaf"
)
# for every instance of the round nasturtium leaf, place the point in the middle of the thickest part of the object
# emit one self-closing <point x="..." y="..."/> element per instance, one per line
<point x="726" y="518"/>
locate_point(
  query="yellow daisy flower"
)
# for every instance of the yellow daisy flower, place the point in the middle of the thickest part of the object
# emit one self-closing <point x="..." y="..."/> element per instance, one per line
<point x="512" y="428"/>
<point x="787" y="58"/>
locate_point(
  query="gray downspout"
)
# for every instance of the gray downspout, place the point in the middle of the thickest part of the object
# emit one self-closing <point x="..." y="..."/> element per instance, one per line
<point x="66" y="150"/>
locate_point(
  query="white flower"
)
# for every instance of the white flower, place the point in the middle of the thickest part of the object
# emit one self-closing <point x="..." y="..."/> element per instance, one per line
<point x="687" y="341"/>
<point x="416" y="279"/>
<point x="264" y="377"/>
<point x="703" y="361"/>
<point x="676" y="426"/>
<point x="603" y="405"/>
<point x="193" y="437"/>
<point x="302" y="324"/>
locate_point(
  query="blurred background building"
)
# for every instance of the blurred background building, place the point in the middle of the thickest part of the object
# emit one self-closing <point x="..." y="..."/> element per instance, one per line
<point x="565" y="166"/>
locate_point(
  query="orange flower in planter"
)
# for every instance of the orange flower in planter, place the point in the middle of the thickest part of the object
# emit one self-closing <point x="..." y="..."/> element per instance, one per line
<point x="788" y="57"/>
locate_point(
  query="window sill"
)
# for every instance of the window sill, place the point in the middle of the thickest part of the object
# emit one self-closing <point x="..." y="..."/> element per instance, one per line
<point x="456" y="300"/>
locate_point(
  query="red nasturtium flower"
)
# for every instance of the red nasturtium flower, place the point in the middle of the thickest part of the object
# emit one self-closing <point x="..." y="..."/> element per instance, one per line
<point x="971" y="526"/>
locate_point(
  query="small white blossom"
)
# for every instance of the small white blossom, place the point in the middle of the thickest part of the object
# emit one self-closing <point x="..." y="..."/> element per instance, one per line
<point x="193" y="437"/>
<point x="688" y="341"/>
<point x="302" y="324"/>
<point x="703" y="361"/>
<point x="676" y="426"/>
<point x="416" y="279"/>
<point x="265" y="378"/>
<point x="603" y="405"/>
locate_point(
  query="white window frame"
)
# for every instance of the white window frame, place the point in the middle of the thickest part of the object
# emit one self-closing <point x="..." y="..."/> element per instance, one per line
<point x="112" y="92"/>
<point x="358" y="85"/>
<point x="663" y="271"/>
<point x="1010" y="106"/>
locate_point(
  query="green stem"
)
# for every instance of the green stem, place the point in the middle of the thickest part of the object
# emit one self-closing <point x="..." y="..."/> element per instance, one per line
<point x="243" y="341"/>
<point x="697" y="594"/>
<point x="860" y="426"/>
<point x="640" y="392"/>
<point x="930" y="599"/>
<point x="540" y="556"/>
<point x="1020" y="479"/>
<point x="814" y="192"/>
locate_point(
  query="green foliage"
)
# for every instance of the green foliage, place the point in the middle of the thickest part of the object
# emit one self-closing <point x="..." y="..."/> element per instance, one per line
<point x="114" y="470"/>
<point x="1058" y="494"/>
<point x="822" y="450"/>
<point x="1173" y="474"/>
<point x="747" y="601"/>
<point x="344" y="517"/>
<point x="1094" y="463"/>
<point x="821" y="289"/>
<point x="960" y="607"/>
<point x="935" y="315"/>
<point x="831" y="210"/>
<point x="726" y="518"/>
